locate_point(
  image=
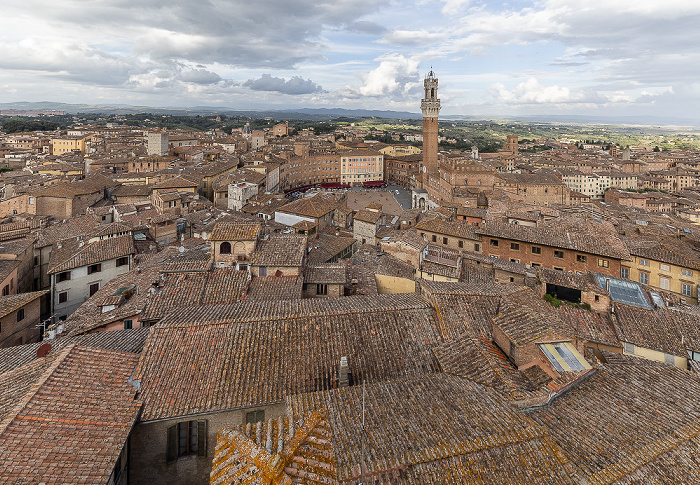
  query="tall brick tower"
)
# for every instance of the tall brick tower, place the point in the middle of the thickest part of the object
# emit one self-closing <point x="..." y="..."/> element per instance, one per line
<point x="430" y="106"/>
<point x="511" y="144"/>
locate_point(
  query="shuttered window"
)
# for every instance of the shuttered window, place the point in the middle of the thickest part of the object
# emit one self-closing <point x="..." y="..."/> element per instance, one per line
<point x="187" y="438"/>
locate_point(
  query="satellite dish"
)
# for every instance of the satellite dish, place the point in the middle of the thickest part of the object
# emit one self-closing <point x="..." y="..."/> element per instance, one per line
<point x="424" y="169"/>
<point x="181" y="249"/>
<point x="43" y="350"/>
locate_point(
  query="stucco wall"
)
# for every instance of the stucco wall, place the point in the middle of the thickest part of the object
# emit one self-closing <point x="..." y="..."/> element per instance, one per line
<point x="149" y="448"/>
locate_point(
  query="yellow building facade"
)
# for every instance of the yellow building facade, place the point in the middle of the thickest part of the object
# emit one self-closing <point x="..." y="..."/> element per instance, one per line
<point x="683" y="281"/>
<point x="68" y="144"/>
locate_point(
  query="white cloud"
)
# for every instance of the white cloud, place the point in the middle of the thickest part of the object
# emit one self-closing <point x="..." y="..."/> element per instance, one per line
<point x="395" y="74"/>
<point x="295" y="85"/>
<point x="453" y="7"/>
<point x="531" y="91"/>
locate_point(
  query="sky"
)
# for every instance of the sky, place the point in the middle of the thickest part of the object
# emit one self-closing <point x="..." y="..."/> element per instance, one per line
<point x="492" y="58"/>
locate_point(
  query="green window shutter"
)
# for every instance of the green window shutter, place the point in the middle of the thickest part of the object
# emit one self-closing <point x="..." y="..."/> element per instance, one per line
<point x="172" y="444"/>
<point x="202" y="437"/>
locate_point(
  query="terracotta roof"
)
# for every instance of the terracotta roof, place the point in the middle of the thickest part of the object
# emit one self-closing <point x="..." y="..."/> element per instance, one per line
<point x="589" y="325"/>
<point x="12" y="303"/>
<point x="367" y="262"/>
<point x="646" y="418"/>
<point x="480" y="360"/>
<point x="649" y="329"/>
<point x="79" y="410"/>
<point x="268" y="288"/>
<point x="73" y="227"/>
<point x="435" y="429"/>
<point x="285" y="250"/>
<point x="72" y="255"/>
<point x="459" y="229"/>
<point x="667" y="250"/>
<point x="235" y="231"/>
<point x="604" y="244"/>
<point x="334" y="273"/>
<point x="221" y="285"/>
<point x="369" y="216"/>
<point x="122" y="340"/>
<point x="175" y="182"/>
<point x="253" y="453"/>
<point x="467" y="308"/>
<point x="316" y="206"/>
<point x="286" y="346"/>
<point x="525" y="317"/>
<point x="325" y="247"/>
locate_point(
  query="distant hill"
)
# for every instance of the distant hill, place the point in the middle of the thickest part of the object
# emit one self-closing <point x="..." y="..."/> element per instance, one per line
<point x="316" y="114"/>
<point x="326" y="114"/>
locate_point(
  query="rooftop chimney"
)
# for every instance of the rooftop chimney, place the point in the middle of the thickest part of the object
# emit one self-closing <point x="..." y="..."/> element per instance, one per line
<point x="343" y="380"/>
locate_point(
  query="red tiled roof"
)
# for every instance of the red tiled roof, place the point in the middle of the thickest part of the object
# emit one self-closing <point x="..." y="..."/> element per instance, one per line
<point x="71" y="423"/>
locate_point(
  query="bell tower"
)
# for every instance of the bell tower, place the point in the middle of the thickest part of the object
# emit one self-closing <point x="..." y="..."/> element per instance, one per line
<point x="430" y="106"/>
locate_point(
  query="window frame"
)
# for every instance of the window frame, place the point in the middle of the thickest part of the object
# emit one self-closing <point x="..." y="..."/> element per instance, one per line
<point x="227" y="246"/>
<point x="195" y="439"/>
<point x="94" y="268"/>
<point x="559" y="254"/>
<point x="536" y="250"/>
<point x="515" y="246"/>
<point x="63" y="297"/>
<point x="255" y="416"/>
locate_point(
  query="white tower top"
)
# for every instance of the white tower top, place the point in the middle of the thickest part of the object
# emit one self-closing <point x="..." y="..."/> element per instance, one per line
<point x="430" y="104"/>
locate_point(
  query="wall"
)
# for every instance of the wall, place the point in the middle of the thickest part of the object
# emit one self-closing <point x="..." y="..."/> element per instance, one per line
<point x="402" y="252"/>
<point x="149" y="441"/>
<point x="452" y="242"/>
<point x="524" y="255"/>
<point x="364" y="231"/>
<point x="656" y="356"/>
<point x="26" y="331"/>
<point x="242" y="248"/>
<point x="434" y="277"/>
<point x="22" y="204"/>
<point x="674" y="274"/>
<point x="163" y="232"/>
<point x="78" y="286"/>
<point x="393" y="284"/>
<point x="271" y="270"/>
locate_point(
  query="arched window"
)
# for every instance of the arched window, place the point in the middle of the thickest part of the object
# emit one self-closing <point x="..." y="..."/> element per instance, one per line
<point x="225" y="248"/>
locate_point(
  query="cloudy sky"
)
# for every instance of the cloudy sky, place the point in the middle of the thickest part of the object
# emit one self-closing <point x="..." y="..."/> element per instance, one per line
<point x="594" y="57"/>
